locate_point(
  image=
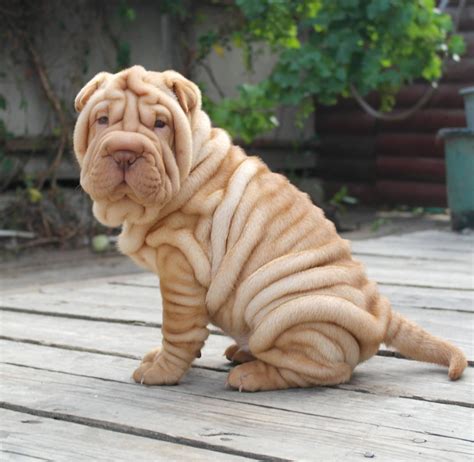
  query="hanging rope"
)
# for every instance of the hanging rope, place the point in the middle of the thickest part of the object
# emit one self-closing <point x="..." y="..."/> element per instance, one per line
<point x="426" y="95"/>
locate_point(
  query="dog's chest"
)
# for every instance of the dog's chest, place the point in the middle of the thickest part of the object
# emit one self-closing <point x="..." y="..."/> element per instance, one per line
<point x="146" y="258"/>
<point x="133" y="244"/>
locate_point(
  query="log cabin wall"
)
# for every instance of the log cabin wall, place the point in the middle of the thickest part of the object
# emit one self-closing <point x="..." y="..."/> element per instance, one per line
<point x="396" y="162"/>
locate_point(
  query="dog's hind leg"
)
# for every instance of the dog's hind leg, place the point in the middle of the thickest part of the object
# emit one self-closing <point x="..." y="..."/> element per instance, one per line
<point x="260" y="376"/>
<point x="305" y="355"/>
<point x="236" y="354"/>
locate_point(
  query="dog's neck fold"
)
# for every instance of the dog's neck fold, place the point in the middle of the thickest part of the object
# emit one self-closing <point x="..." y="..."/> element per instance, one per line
<point x="210" y="147"/>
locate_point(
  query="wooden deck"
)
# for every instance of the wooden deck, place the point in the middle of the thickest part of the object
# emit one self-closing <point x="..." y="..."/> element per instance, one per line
<point x="68" y="349"/>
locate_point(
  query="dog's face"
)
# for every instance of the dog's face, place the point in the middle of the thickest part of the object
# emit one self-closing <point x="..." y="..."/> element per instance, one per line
<point x="133" y="140"/>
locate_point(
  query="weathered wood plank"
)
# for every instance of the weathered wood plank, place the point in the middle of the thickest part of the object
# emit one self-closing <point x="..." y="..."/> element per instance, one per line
<point x="143" y="304"/>
<point x="139" y="292"/>
<point x="111" y="302"/>
<point x="396" y="248"/>
<point x="15" y="280"/>
<point x="126" y="340"/>
<point x="456" y="327"/>
<point x="32" y="437"/>
<point x="267" y="431"/>
<point x="431" y="239"/>
<point x="144" y="279"/>
<point x="411" y="379"/>
<point x="411" y="259"/>
<point x="429" y="298"/>
<point x="422" y="273"/>
<point x="388" y="377"/>
<point x="136" y="339"/>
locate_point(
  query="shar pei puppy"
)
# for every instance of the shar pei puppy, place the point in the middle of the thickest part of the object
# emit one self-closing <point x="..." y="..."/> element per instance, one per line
<point x="233" y="244"/>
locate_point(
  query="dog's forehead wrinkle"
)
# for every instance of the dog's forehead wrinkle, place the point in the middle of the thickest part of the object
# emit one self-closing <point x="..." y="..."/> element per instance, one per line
<point x="113" y="92"/>
<point x="146" y="85"/>
<point x="131" y="111"/>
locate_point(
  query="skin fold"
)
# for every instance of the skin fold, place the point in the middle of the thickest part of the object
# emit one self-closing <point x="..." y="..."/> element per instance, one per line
<point x="233" y="244"/>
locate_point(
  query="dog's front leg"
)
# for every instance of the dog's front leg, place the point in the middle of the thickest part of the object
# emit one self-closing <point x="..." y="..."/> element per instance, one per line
<point x="185" y="322"/>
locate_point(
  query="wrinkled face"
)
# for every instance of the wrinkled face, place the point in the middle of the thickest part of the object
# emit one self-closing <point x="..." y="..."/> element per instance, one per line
<point x="133" y="140"/>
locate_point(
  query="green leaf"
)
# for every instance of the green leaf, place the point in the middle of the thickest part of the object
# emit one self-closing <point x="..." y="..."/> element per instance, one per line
<point x="34" y="195"/>
<point x="130" y="14"/>
<point x="457" y="45"/>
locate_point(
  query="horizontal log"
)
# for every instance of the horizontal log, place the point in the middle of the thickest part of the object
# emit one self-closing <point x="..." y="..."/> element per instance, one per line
<point x="355" y="122"/>
<point x="426" y="120"/>
<point x="347" y="146"/>
<point x="446" y="96"/>
<point x="286" y="145"/>
<point x="352" y="169"/>
<point x="409" y="145"/>
<point x="410" y="193"/>
<point x="279" y="160"/>
<point x="466" y="22"/>
<point x="417" y="168"/>
<point x="392" y="192"/>
<point x="469" y="40"/>
<point x="459" y="71"/>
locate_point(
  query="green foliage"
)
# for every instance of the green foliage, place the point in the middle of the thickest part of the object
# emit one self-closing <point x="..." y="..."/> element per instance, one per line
<point x="246" y="116"/>
<point x="325" y="46"/>
<point x="342" y="198"/>
<point x="126" y="13"/>
<point x="123" y="55"/>
<point x="378" y="223"/>
<point x="123" y="50"/>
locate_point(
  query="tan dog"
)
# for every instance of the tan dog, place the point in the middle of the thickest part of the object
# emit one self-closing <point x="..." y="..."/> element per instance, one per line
<point x="233" y="244"/>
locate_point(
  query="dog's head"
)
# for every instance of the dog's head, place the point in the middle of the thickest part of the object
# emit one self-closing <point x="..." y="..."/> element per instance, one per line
<point x="133" y="140"/>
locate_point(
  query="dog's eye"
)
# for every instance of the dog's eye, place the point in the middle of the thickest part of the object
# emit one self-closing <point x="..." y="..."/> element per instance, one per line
<point x="159" y="123"/>
<point x="104" y="120"/>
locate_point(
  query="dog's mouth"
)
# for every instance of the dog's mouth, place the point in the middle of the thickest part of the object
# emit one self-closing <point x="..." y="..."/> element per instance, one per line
<point x="125" y="164"/>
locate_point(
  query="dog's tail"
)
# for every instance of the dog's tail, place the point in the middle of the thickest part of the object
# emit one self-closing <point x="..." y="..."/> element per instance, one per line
<point x="415" y="343"/>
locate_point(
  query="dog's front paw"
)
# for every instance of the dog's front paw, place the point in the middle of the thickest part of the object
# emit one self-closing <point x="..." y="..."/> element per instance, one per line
<point x="154" y="370"/>
<point x="151" y="355"/>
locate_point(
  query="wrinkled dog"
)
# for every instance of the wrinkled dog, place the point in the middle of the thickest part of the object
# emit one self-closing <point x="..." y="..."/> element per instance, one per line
<point x="233" y="244"/>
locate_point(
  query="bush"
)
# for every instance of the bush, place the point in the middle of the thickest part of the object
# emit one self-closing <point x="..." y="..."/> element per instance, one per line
<point x="325" y="46"/>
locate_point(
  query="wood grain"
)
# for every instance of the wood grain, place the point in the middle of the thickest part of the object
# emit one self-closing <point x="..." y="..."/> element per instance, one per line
<point x="272" y="432"/>
<point x="32" y="437"/>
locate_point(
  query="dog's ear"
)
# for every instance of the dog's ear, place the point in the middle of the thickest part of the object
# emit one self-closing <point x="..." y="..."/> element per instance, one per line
<point x="188" y="93"/>
<point x="89" y="89"/>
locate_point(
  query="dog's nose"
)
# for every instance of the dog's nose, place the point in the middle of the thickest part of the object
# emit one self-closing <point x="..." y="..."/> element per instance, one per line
<point x="124" y="158"/>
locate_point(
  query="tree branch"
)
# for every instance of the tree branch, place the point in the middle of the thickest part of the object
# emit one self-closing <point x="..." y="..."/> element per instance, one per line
<point x="53" y="100"/>
<point x="212" y="77"/>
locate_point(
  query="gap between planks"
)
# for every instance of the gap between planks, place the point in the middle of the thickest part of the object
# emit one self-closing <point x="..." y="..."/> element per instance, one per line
<point x="214" y="331"/>
<point x="379" y="376"/>
<point x="78" y="328"/>
<point x="141" y="297"/>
